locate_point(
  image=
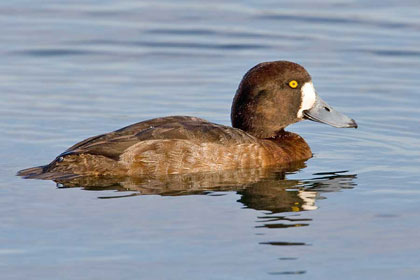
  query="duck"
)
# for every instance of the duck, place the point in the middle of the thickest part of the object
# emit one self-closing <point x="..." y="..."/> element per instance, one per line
<point x="270" y="97"/>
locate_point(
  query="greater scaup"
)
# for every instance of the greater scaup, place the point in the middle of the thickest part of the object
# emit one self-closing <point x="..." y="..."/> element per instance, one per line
<point x="271" y="96"/>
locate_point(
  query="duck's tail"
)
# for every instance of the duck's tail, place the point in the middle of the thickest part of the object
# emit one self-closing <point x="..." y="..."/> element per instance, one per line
<point x="31" y="173"/>
<point x="44" y="172"/>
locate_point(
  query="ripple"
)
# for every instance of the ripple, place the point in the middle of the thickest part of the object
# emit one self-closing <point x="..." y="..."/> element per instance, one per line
<point x="349" y="19"/>
<point x="389" y="52"/>
<point x="54" y="52"/>
<point x="173" y="44"/>
<point x="282" y="243"/>
<point x="309" y="19"/>
<point x="296" y="272"/>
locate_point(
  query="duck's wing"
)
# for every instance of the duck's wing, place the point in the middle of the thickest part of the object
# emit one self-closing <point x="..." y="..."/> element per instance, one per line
<point x="197" y="130"/>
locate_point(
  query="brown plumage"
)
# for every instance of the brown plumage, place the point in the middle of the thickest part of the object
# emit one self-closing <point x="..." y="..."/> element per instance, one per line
<point x="263" y="106"/>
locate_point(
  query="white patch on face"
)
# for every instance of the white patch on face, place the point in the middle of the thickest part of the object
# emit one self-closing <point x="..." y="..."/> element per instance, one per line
<point x="308" y="98"/>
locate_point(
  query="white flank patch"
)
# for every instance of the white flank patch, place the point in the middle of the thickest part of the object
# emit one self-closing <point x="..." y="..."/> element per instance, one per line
<point x="308" y="98"/>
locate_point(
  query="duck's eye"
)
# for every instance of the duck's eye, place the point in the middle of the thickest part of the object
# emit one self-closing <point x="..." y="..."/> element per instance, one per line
<point x="293" y="84"/>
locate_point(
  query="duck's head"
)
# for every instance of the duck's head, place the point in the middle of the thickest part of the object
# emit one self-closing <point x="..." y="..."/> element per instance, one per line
<point x="273" y="95"/>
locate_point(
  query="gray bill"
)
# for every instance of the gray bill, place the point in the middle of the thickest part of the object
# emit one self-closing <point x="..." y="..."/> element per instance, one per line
<point x="324" y="113"/>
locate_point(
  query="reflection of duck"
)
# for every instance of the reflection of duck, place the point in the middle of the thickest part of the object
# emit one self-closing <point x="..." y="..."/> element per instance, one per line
<point x="260" y="189"/>
<point x="293" y="195"/>
<point x="180" y="184"/>
<point x="271" y="96"/>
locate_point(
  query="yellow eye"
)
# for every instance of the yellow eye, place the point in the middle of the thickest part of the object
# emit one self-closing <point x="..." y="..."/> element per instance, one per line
<point x="293" y="84"/>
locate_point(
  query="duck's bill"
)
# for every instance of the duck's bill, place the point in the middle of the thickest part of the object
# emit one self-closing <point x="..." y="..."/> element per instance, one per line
<point x="324" y="113"/>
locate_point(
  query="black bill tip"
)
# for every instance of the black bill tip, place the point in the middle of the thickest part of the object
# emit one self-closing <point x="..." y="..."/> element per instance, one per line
<point x="353" y="124"/>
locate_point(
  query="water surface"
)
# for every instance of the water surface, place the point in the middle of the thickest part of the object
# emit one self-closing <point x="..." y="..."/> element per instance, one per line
<point x="72" y="70"/>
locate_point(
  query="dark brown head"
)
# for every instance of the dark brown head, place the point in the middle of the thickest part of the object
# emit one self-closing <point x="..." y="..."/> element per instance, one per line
<point x="273" y="95"/>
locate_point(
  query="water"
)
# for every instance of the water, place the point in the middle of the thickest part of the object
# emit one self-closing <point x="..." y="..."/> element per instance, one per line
<point x="72" y="70"/>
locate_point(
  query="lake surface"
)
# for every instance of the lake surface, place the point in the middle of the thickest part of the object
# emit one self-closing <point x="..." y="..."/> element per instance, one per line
<point x="70" y="70"/>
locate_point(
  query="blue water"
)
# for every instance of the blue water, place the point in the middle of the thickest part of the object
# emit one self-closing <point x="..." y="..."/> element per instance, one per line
<point x="70" y="70"/>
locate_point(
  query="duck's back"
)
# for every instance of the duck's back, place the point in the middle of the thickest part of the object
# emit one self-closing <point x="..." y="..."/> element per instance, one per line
<point x="172" y="145"/>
